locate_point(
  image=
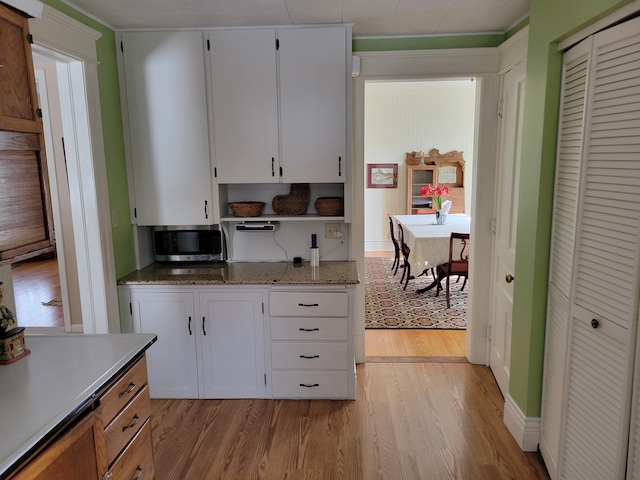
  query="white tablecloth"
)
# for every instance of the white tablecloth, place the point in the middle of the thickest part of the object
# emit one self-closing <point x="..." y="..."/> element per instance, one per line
<point x="428" y="241"/>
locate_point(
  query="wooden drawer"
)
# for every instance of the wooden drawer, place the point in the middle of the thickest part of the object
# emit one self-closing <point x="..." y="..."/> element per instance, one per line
<point x="299" y="384"/>
<point x="309" y="356"/>
<point x="309" y="329"/>
<point x="122" y="429"/>
<point x="123" y="391"/>
<point x="137" y="460"/>
<point x="309" y="304"/>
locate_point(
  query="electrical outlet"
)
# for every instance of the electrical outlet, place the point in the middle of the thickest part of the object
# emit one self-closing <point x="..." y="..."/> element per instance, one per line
<point x="332" y="230"/>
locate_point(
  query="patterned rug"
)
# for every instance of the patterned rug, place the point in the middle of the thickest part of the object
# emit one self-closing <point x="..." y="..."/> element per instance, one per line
<point x="388" y="306"/>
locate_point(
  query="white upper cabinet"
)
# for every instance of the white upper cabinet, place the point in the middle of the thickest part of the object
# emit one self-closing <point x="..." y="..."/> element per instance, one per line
<point x="166" y="116"/>
<point x="280" y="104"/>
<point x="245" y="105"/>
<point x="313" y="104"/>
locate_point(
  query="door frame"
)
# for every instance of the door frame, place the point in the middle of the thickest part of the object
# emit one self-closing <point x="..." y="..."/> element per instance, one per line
<point x="484" y="65"/>
<point x="75" y="46"/>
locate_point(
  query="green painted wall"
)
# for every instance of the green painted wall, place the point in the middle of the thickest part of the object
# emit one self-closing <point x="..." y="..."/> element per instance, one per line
<point x="549" y="21"/>
<point x="372" y="44"/>
<point x="123" y="243"/>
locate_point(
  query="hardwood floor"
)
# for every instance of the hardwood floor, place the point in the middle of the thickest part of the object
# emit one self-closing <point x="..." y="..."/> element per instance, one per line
<point x="411" y="421"/>
<point x="35" y="282"/>
<point x="423" y="412"/>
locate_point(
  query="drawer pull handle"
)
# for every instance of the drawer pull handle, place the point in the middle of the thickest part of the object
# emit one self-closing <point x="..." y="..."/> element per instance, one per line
<point x="307" y="304"/>
<point x="309" y="329"/>
<point x="309" y="356"/>
<point x="310" y="386"/>
<point x="138" y="473"/>
<point x="130" y="388"/>
<point x="136" y="419"/>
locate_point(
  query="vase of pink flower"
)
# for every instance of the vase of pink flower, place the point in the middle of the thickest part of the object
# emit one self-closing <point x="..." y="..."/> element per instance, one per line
<point x="436" y="193"/>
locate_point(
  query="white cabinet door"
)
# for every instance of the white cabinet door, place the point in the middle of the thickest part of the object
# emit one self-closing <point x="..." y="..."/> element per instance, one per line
<point x="166" y="102"/>
<point x="171" y="361"/>
<point x="245" y="105"/>
<point x="568" y="167"/>
<point x="313" y="104"/>
<point x="232" y="331"/>
<point x="604" y="309"/>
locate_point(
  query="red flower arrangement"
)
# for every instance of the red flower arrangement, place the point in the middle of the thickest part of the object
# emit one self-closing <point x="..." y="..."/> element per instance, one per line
<point x="435" y="192"/>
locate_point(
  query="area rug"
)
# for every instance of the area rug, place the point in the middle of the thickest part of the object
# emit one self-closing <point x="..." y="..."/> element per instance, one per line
<point x="388" y="306"/>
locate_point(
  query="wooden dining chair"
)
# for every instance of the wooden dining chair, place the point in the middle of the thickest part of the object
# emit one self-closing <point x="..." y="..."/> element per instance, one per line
<point x="406" y="251"/>
<point x="396" y="247"/>
<point x="455" y="266"/>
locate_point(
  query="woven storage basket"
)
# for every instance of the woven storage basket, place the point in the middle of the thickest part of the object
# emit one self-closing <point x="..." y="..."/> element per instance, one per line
<point x="333" y="206"/>
<point x="411" y="159"/>
<point x="295" y="202"/>
<point x="246" y="209"/>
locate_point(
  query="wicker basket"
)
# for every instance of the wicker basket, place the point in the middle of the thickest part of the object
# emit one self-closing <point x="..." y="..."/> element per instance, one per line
<point x="246" y="209"/>
<point x="295" y="202"/>
<point x="332" y="206"/>
<point x="411" y="159"/>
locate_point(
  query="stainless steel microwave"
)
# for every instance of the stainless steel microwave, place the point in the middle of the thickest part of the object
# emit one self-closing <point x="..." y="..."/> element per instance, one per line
<point x="188" y="244"/>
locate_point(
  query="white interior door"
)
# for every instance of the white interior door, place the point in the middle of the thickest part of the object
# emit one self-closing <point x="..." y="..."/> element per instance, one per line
<point x="505" y="223"/>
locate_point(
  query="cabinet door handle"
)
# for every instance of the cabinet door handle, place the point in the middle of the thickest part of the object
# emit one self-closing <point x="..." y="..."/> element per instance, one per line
<point x="339" y="166"/>
<point x="135" y="421"/>
<point x="138" y="473"/>
<point x="309" y="356"/>
<point x="307" y="304"/>
<point x="206" y="210"/>
<point x="310" y="386"/>
<point x="273" y="166"/>
<point x="204" y="331"/>
<point x="190" y="332"/>
<point x="309" y="329"/>
<point x="130" y="388"/>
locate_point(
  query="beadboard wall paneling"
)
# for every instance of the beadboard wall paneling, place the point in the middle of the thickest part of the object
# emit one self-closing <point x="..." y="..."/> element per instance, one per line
<point x="404" y="116"/>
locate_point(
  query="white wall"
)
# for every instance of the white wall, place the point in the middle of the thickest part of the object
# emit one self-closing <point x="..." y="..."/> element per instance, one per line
<point x="405" y="116"/>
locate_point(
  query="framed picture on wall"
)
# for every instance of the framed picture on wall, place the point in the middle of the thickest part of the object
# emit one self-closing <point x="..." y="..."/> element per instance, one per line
<point x="382" y="175"/>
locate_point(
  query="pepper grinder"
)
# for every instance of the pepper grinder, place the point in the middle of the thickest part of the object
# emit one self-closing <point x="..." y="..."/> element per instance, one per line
<point x="315" y="251"/>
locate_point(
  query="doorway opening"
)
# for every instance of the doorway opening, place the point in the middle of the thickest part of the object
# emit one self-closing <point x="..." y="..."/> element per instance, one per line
<point x="403" y="116"/>
<point x="41" y="284"/>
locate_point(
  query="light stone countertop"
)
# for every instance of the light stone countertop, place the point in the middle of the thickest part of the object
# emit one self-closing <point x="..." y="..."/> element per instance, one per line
<point x="44" y="390"/>
<point x="245" y="273"/>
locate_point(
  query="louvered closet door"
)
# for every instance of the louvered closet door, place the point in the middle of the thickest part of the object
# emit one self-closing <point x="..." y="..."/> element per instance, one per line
<point x="604" y="308"/>
<point x="570" y="136"/>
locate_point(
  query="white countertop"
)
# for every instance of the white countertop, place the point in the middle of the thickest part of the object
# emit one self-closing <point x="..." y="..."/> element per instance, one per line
<point x="42" y="390"/>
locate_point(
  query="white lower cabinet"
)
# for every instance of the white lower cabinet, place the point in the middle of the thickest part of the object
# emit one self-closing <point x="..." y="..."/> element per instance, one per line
<point x="219" y="341"/>
<point x="312" y="344"/>
<point x="172" y="366"/>
<point x="232" y="345"/>
<point x="210" y="342"/>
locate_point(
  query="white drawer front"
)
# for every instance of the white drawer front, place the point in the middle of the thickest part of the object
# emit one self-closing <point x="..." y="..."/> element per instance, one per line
<point x="309" y="356"/>
<point x="309" y="304"/>
<point x="310" y="384"/>
<point x="309" y="329"/>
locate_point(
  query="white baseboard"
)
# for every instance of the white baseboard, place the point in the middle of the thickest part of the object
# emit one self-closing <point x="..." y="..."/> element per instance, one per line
<point x="525" y="430"/>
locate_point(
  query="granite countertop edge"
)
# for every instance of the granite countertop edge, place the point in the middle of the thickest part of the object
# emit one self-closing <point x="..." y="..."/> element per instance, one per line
<point x="245" y="273"/>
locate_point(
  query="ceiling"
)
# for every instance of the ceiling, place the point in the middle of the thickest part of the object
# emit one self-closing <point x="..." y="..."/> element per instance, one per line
<point x="369" y="17"/>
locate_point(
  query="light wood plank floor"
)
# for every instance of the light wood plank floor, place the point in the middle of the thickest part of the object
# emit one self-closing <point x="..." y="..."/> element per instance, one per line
<point x="35" y="282"/>
<point x="411" y="421"/>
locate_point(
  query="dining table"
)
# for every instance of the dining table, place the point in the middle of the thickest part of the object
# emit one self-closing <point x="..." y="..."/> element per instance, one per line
<point x="429" y="241"/>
